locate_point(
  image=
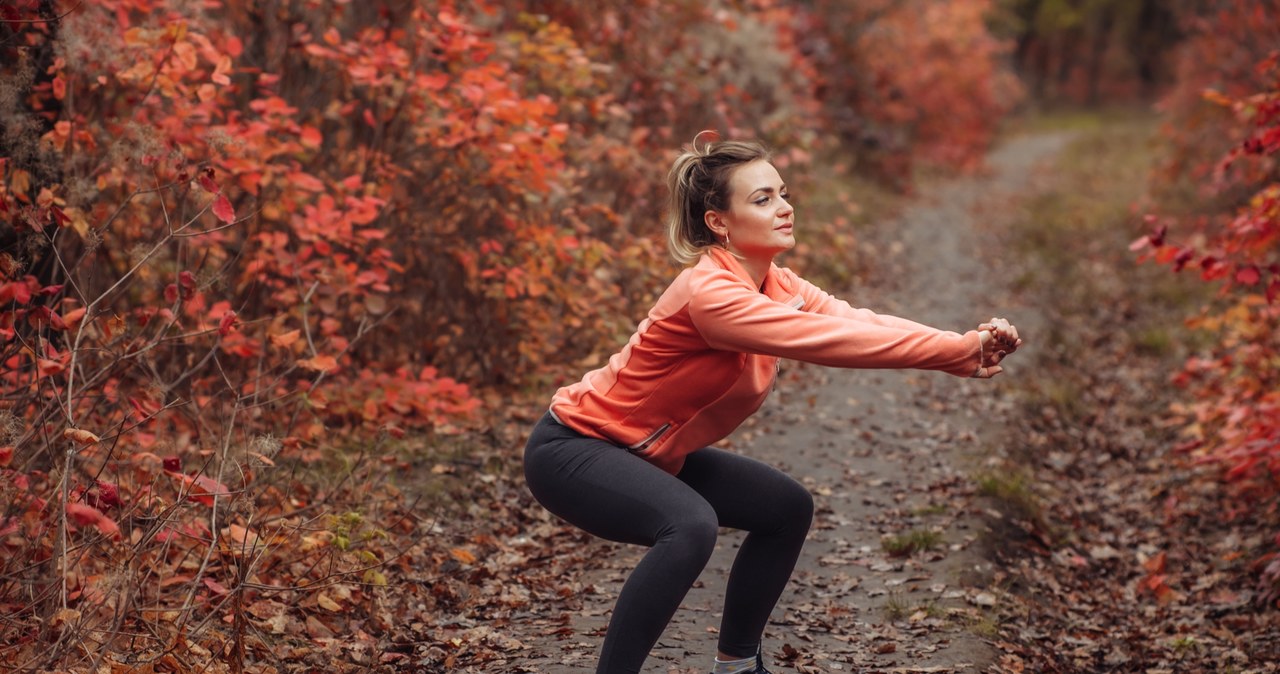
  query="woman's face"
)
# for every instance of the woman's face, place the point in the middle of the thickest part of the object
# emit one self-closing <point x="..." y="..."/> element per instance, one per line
<point x="759" y="220"/>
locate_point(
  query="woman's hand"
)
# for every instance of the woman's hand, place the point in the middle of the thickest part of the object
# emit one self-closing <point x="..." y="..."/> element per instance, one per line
<point x="999" y="339"/>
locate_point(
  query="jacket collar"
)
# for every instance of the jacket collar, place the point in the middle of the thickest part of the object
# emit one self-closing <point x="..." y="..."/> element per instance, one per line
<point x="773" y="287"/>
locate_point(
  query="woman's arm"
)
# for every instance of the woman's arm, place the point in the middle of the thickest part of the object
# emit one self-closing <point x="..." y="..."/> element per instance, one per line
<point x="819" y="301"/>
<point x="730" y="315"/>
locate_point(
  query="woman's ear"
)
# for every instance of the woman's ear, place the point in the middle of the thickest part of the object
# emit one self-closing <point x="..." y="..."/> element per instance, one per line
<point x="714" y="222"/>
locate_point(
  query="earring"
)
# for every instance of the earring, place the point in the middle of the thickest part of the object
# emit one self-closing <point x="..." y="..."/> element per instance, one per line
<point x="726" y="239"/>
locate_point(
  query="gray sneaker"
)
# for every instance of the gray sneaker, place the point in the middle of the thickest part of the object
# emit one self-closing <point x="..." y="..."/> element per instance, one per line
<point x="759" y="668"/>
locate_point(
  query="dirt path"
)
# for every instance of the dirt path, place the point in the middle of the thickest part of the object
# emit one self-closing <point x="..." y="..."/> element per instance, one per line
<point x="886" y="453"/>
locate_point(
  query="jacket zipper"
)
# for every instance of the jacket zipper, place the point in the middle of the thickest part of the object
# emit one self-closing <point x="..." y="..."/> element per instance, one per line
<point x="653" y="437"/>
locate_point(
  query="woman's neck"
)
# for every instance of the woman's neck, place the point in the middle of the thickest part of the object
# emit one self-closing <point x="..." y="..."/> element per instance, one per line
<point x="757" y="268"/>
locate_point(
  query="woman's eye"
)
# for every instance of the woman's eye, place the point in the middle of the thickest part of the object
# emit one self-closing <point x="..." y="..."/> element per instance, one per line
<point x="762" y="201"/>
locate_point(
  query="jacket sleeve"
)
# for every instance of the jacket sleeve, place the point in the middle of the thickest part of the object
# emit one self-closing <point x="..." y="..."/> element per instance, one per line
<point x="732" y="316"/>
<point x="818" y="300"/>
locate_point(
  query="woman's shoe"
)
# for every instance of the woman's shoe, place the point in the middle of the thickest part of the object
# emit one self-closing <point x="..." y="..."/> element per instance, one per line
<point x="759" y="668"/>
<point x="760" y="665"/>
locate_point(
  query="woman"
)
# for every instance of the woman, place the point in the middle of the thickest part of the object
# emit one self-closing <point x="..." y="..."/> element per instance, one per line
<point x="624" y="453"/>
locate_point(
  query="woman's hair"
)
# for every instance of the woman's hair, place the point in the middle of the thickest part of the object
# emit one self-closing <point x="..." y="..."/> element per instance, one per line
<point x="699" y="182"/>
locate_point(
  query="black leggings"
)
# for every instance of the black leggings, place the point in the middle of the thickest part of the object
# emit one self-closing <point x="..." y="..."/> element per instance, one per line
<point x="614" y="494"/>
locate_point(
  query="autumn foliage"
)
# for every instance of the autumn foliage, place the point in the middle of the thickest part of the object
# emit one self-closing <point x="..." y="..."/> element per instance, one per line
<point x="1224" y="127"/>
<point x="246" y="243"/>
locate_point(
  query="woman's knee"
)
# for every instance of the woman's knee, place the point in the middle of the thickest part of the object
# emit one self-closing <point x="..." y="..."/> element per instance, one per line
<point x="793" y="506"/>
<point x="693" y="533"/>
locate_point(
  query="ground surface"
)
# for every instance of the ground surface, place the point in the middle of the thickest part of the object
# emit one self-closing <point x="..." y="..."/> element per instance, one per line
<point x="885" y="453"/>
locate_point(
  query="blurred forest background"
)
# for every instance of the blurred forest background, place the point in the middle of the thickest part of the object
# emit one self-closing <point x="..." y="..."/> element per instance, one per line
<point x="262" y="262"/>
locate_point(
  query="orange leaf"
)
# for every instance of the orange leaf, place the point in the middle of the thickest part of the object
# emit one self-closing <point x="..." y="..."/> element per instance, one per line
<point x="71" y="318"/>
<point x="320" y="363"/>
<point x="240" y="536"/>
<point x="266" y="460"/>
<point x="220" y="71"/>
<point x="287" y="339"/>
<point x="311" y="137"/>
<point x="463" y="556"/>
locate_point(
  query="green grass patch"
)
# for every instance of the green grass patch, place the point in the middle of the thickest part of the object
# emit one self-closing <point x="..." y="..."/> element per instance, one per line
<point x="984" y="626"/>
<point x="916" y="540"/>
<point x="900" y="607"/>
<point x="1011" y="490"/>
<point x="933" y="509"/>
<point x="896" y="607"/>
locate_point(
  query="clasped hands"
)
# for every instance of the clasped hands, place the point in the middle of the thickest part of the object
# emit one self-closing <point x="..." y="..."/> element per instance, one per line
<point x="999" y="339"/>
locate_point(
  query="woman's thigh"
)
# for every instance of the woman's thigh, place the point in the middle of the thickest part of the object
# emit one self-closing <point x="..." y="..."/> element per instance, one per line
<point x="746" y="493"/>
<point x="606" y="490"/>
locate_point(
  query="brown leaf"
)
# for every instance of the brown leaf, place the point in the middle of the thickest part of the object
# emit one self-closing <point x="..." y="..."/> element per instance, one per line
<point x="286" y="339"/>
<point x="81" y="436"/>
<point x="328" y="604"/>
<point x="317" y="629"/>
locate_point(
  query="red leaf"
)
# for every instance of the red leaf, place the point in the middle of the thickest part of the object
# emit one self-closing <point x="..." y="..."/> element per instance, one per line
<point x="1248" y="275"/>
<point x="200" y="488"/>
<point x="1182" y="258"/>
<point x="82" y="514"/>
<point x="223" y="209"/>
<point x="228" y="320"/>
<point x="171" y="463"/>
<point x="86" y="515"/>
<point x="108" y="494"/>
<point x="48" y="367"/>
<point x="144" y="409"/>
<point x="59" y="216"/>
<point x="207" y="182"/>
<point x="56" y="322"/>
<point x="16" y="291"/>
<point x="41" y="315"/>
<point x="215" y="587"/>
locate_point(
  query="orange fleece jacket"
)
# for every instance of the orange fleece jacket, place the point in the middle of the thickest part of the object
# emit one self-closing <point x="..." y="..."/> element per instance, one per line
<point x="706" y="357"/>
